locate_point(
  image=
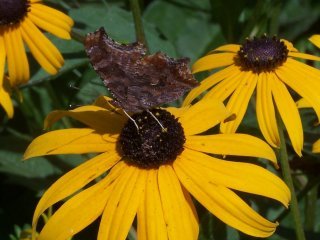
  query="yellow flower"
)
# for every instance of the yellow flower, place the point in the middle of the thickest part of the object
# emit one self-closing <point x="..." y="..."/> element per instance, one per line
<point x="152" y="172"/>
<point x="267" y="65"/>
<point x="315" y="39"/>
<point x="20" y="21"/>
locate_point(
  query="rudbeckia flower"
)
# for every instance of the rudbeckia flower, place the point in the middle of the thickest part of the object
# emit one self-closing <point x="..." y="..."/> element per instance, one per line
<point x="20" y="21"/>
<point x="315" y="39"/>
<point x="267" y="65"/>
<point x="152" y="173"/>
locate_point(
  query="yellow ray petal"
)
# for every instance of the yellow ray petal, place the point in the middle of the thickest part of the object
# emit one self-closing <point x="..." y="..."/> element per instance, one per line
<point x="225" y="88"/>
<point x="40" y="49"/>
<point x="202" y="116"/>
<point x="53" y="12"/>
<point x="151" y="223"/>
<point x="95" y="117"/>
<point x="123" y="205"/>
<point x="223" y="203"/>
<point x="34" y="1"/>
<point x="289" y="45"/>
<point x="240" y="176"/>
<point x="177" y="212"/>
<point x="76" y="179"/>
<point x="68" y="141"/>
<point x="177" y="112"/>
<point x="315" y="39"/>
<point x="239" y="101"/>
<point x="212" y="61"/>
<point x="232" y="144"/>
<point x="228" y="72"/>
<point x="227" y="48"/>
<point x="78" y="212"/>
<point x="18" y="65"/>
<point x="5" y="100"/>
<point x="303" y="103"/>
<point x="303" y="56"/>
<point x="303" y="81"/>
<point x="50" y="23"/>
<point x="289" y="113"/>
<point x="316" y="147"/>
<point x="2" y="57"/>
<point x="265" y="111"/>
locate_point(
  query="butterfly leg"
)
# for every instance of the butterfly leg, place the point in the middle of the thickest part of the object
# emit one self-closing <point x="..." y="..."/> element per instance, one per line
<point x="155" y="118"/>
<point x="134" y="121"/>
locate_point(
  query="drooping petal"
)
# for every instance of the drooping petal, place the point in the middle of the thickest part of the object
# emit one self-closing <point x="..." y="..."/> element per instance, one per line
<point x="215" y="78"/>
<point x="46" y="54"/>
<point x="78" y="212"/>
<point x="68" y="141"/>
<point x="212" y="61"/>
<point x="222" y="202"/>
<point x="51" y="20"/>
<point x="239" y="176"/>
<point x="76" y="179"/>
<point x="289" y="113"/>
<point x="303" y="56"/>
<point x="122" y="207"/>
<point x="202" y="116"/>
<point x="225" y="88"/>
<point x="180" y="221"/>
<point x="227" y="48"/>
<point x="239" y="101"/>
<point x="265" y="111"/>
<point x="316" y="147"/>
<point x="18" y="65"/>
<point x="95" y="117"/>
<point x="302" y="79"/>
<point x="315" y="39"/>
<point x="151" y="222"/>
<point x="232" y="144"/>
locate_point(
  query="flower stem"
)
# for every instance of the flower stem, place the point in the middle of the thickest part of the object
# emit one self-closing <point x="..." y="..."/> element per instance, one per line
<point x="135" y="8"/>
<point x="284" y="161"/>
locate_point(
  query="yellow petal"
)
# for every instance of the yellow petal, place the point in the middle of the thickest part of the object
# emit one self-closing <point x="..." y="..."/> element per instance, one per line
<point x="316" y="147"/>
<point x="95" y="117"/>
<point x="212" y="61"/>
<point x="122" y="207"/>
<point x="203" y="115"/>
<point x="289" y="45"/>
<point x="76" y="179"/>
<point x="5" y="100"/>
<point x="151" y="222"/>
<point x="18" y="65"/>
<point x="68" y="141"/>
<point x="227" y="48"/>
<point x="51" y="20"/>
<point x="232" y="144"/>
<point x="265" y="111"/>
<point x="2" y="57"/>
<point x="222" y="202"/>
<point x="215" y="78"/>
<point x="176" y="209"/>
<point x="303" y="56"/>
<point x="303" y="103"/>
<point x="225" y="88"/>
<point x="315" y="39"/>
<point x="239" y="176"/>
<point x="77" y="213"/>
<point x="289" y="113"/>
<point x="239" y="101"/>
<point x="177" y="112"/>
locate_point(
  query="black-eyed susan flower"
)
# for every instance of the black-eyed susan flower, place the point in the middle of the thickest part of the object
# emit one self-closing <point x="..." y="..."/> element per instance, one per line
<point x="152" y="173"/>
<point x="267" y="65"/>
<point x="20" y="21"/>
<point x="315" y="39"/>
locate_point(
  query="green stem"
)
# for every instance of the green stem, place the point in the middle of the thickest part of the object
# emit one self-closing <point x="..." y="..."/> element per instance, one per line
<point x="284" y="161"/>
<point x="77" y="36"/>
<point x="135" y="8"/>
<point x="311" y="209"/>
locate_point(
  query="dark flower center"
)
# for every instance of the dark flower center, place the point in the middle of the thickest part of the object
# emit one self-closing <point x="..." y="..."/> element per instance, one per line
<point x="13" y="11"/>
<point x="152" y="146"/>
<point x="262" y="54"/>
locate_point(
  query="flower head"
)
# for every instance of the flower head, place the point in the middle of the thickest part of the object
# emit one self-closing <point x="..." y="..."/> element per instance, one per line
<point x="152" y="170"/>
<point x="20" y="21"/>
<point x="267" y="65"/>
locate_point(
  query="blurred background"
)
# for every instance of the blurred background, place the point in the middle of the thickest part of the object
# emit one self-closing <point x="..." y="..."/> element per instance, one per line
<point x="180" y="28"/>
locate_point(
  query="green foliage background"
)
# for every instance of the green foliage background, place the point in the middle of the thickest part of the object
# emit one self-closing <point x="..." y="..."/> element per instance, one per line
<point x="180" y="28"/>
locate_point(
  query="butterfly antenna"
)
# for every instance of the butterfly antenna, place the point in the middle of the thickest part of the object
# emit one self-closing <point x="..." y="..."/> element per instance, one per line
<point x="155" y="118"/>
<point x="134" y="121"/>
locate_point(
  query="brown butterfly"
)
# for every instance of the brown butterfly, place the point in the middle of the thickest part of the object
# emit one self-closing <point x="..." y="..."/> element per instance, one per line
<point x="136" y="80"/>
